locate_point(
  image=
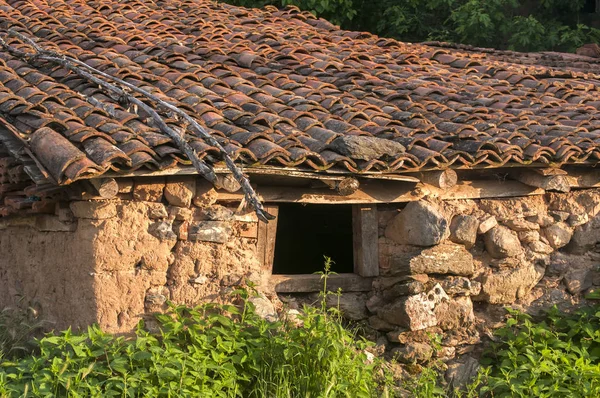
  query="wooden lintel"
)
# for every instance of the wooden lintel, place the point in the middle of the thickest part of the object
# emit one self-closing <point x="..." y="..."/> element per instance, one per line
<point x="314" y="283"/>
<point x="373" y="191"/>
<point x="551" y="182"/>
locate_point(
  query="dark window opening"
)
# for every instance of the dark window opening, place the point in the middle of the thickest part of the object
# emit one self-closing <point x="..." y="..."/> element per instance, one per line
<point x="306" y="233"/>
<point x="589" y="7"/>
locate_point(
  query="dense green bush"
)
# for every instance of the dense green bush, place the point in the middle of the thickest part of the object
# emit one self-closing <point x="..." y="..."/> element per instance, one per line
<point x="558" y="356"/>
<point x="526" y="25"/>
<point x="209" y="351"/>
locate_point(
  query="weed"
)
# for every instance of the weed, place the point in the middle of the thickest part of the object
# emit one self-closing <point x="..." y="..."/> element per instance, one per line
<point x="207" y="351"/>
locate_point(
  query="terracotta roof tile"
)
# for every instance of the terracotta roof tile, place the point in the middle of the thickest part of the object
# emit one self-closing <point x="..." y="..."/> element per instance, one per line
<point x="281" y="94"/>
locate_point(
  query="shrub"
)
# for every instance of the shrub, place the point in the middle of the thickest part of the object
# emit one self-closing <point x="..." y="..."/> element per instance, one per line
<point x="524" y="25"/>
<point x="207" y="351"/>
<point x="558" y="356"/>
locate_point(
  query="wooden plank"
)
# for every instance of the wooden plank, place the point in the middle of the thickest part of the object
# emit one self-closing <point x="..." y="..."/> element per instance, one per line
<point x="269" y="171"/>
<point x="265" y="245"/>
<point x="390" y="192"/>
<point x="365" y="240"/>
<point x="314" y="283"/>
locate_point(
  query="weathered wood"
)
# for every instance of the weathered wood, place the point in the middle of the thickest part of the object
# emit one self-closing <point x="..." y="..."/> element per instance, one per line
<point x="389" y="192"/>
<point x="346" y="186"/>
<point x="532" y="178"/>
<point x="314" y="283"/>
<point x="265" y="244"/>
<point x="365" y="240"/>
<point x="443" y="179"/>
<point x="106" y="188"/>
<point x="288" y="172"/>
<point x="227" y="182"/>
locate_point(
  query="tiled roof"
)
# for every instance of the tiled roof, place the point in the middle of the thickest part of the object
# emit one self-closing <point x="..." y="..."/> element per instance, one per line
<point x="282" y="88"/>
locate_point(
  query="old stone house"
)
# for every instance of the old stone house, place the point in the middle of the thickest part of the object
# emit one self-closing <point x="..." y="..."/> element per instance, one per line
<point x="445" y="181"/>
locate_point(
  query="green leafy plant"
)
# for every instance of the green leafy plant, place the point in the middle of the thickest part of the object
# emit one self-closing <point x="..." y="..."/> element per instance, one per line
<point x="558" y="356"/>
<point x="207" y="351"/>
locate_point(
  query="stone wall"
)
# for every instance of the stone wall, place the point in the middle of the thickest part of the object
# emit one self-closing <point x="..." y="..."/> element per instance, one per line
<point x="113" y="262"/>
<point x="449" y="268"/>
<point x="445" y="267"/>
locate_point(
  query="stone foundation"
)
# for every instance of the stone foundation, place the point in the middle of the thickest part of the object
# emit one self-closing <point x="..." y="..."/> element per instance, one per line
<point x="449" y="267"/>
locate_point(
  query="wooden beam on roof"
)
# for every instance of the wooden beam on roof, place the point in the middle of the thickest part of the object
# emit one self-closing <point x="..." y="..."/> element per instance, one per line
<point x="271" y="171"/>
<point x="374" y="191"/>
<point x="443" y="179"/>
<point x="107" y="188"/>
<point x="314" y="283"/>
<point x="346" y="186"/>
<point x="550" y="181"/>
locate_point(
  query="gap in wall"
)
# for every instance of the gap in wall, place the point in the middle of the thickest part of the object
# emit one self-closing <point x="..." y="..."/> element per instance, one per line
<point x="305" y="233"/>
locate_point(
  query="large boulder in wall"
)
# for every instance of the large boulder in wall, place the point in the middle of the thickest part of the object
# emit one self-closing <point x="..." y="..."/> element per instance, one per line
<point x="420" y="224"/>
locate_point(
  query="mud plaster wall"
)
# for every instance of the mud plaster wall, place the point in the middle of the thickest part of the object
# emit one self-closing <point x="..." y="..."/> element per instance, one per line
<point x="114" y="262"/>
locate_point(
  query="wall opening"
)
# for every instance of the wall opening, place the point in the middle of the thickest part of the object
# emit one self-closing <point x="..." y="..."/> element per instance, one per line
<point x="590" y="6"/>
<point x="306" y="233"/>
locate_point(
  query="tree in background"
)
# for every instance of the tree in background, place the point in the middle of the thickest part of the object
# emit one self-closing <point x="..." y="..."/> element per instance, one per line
<point x="523" y="25"/>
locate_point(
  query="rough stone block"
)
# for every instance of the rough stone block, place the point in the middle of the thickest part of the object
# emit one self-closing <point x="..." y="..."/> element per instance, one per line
<point x="162" y="230"/>
<point x="413" y="312"/>
<point x="97" y="210"/>
<point x="501" y="242"/>
<point x="180" y="191"/>
<point x="419" y="223"/>
<point x="558" y="235"/>
<point x="156" y="211"/>
<point x="505" y="286"/>
<point x="455" y="313"/>
<point x="486" y="223"/>
<point x="180" y="213"/>
<point x="213" y="213"/>
<point x="210" y="231"/>
<point x="149" y="189"/>
<point x="519" y="225"/>
<point x="447" y="258"/>
<point x="585" y="237"/>
<point x="463" y="230"/>
<point x="206" y="194"/>
<point x="412" y="353"/>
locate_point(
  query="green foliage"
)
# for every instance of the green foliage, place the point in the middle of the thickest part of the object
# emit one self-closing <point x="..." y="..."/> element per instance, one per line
<point x="556" y="357"/>
<point x="524" y="25"/>
<point x="208" y="351"/>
